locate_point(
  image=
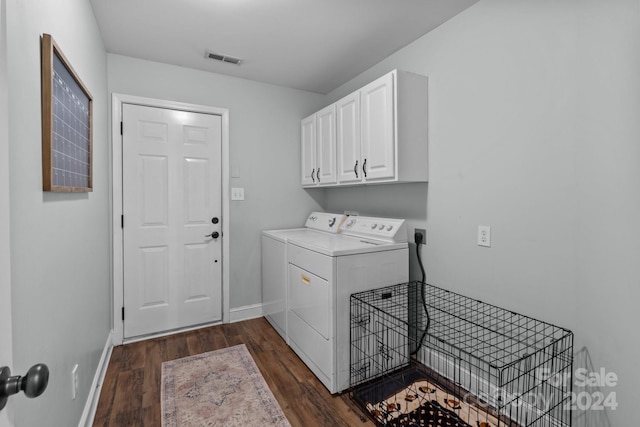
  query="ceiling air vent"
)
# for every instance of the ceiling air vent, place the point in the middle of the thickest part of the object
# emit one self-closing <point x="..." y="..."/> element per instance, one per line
<point x="223" y="58"/>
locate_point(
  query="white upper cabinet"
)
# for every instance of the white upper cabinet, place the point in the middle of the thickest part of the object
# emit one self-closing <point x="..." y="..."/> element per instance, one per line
<point x="380" y="134"/>
<point x="319" y="148"/>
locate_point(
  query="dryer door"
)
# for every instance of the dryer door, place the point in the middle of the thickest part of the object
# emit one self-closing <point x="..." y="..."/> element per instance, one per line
<point x="309" y="299"/>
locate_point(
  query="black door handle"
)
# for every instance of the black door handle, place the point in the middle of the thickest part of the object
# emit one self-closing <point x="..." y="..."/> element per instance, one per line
<point x="213" y="235"/>
<point x="33" y="383"/>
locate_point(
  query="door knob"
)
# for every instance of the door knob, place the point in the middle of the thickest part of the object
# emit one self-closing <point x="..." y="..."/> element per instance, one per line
<point x="33" y="383"/>
<point x="215" y="220"/>
<point x="213" y="235"/>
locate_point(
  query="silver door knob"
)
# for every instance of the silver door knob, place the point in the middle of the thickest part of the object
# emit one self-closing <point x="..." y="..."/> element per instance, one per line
<point x="33" y="383"/>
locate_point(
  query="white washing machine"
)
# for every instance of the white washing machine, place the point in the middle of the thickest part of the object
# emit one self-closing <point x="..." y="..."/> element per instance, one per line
<point x="322" y="267"/>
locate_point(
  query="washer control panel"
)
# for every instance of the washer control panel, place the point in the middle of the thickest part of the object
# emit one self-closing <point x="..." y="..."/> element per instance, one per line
<point x="387" y="229"/>
<point x="324" y="221"/>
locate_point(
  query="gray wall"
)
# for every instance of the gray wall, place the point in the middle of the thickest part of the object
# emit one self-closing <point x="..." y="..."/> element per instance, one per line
<point x="264" y="146"/>
<point x="534" y="130"/>
<point x="6" y="351"/>
<point x="60" y="252"/>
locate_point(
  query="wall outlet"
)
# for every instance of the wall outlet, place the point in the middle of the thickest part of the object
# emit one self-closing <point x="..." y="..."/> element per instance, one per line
<point x="74" y="382"/>
<point x="422" y="232"/>
<point x="484" y="236"/>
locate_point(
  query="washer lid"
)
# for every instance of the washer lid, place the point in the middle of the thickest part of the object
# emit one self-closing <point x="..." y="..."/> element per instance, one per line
<point x="339" y="245"/>
<point x="316" y="223"/>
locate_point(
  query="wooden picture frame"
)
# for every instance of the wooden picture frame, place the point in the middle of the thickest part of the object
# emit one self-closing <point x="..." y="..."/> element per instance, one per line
<point x="67" y="124"/>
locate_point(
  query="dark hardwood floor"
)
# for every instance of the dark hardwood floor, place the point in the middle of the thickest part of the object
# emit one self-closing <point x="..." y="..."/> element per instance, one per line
<point x="130" y="394"/>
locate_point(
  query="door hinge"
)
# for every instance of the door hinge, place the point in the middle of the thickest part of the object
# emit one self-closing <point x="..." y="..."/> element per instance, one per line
<point x="121" y="128"/>
<point x="121" y="221"/>
<point x="123" y="314"/>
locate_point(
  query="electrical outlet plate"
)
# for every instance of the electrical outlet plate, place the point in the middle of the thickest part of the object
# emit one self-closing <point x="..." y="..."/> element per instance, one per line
<point x="484" y="236"/>
<point x="424" y="235"/>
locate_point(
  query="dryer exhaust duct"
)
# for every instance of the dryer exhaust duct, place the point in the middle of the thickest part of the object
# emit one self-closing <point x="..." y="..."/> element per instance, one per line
<point x="223" y="58"/>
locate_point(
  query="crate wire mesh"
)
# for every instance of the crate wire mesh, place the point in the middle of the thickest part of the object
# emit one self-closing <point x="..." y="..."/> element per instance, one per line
<point x="499" y="368"/>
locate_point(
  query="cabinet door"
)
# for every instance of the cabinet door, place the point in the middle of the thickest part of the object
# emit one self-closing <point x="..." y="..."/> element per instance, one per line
<point x="326" y="145"/>
<point x="348" y="138"/>
<point x="308" y="150"/>
<point x="378" y="135"/>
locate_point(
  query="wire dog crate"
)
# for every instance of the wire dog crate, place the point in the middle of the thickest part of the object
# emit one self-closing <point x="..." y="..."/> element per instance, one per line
<point x="425" y="356"/>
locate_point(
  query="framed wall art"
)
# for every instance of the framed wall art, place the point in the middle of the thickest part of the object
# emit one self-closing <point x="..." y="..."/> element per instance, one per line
<point x="67" y="124"/>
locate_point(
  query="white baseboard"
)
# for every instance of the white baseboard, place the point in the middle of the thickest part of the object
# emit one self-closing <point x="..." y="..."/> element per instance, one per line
<point x="245" y="313"/>
<point x="96" y="386"/>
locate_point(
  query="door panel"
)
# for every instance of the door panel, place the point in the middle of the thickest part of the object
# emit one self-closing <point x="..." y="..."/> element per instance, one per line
<point x="154" y="171"/>
<point x="309" y="299"/>
<point x="171" y="191"/>
<point x="308" y="150"/>
<point x="378" y="139"/>
<point x="348" y="139"/>
<point x="326" y="145"/>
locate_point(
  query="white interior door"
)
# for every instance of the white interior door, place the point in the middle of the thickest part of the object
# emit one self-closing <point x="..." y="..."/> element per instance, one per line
<point x="172" y="205"/>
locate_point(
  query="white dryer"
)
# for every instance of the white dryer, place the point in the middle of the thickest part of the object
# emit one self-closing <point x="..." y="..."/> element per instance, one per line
<point x="275" y="265"/>
<point x="323" y="268"/>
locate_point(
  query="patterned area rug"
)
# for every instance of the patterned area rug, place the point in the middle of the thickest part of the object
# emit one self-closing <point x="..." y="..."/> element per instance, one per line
<point x="219" y="388"/>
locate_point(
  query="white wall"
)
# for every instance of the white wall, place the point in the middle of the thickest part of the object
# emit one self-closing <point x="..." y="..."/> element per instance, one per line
<point x="264" y="145"/>
<point x="534" y="130"/>
<point x="607" y="165"/>
<point x="59" y="242"/>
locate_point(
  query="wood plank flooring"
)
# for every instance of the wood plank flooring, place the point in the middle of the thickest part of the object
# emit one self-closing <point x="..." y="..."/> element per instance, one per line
<point x="130" y="394"/>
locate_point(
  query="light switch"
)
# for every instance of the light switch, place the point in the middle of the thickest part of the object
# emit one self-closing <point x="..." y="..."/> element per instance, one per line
<point x="237" y="193"/>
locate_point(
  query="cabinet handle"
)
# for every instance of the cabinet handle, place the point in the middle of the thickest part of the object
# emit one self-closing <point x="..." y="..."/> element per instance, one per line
<point x="318" y="175"/>
<point x="355" y="169"/>
<point x="312" y="172"/>
<point x="364" y="170"/>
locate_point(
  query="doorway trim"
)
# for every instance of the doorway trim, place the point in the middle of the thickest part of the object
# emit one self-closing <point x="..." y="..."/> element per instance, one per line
<point x="116" y="199"/>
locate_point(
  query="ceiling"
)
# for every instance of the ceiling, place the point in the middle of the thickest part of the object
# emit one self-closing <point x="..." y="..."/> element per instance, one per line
<point x="313" y="45"/>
